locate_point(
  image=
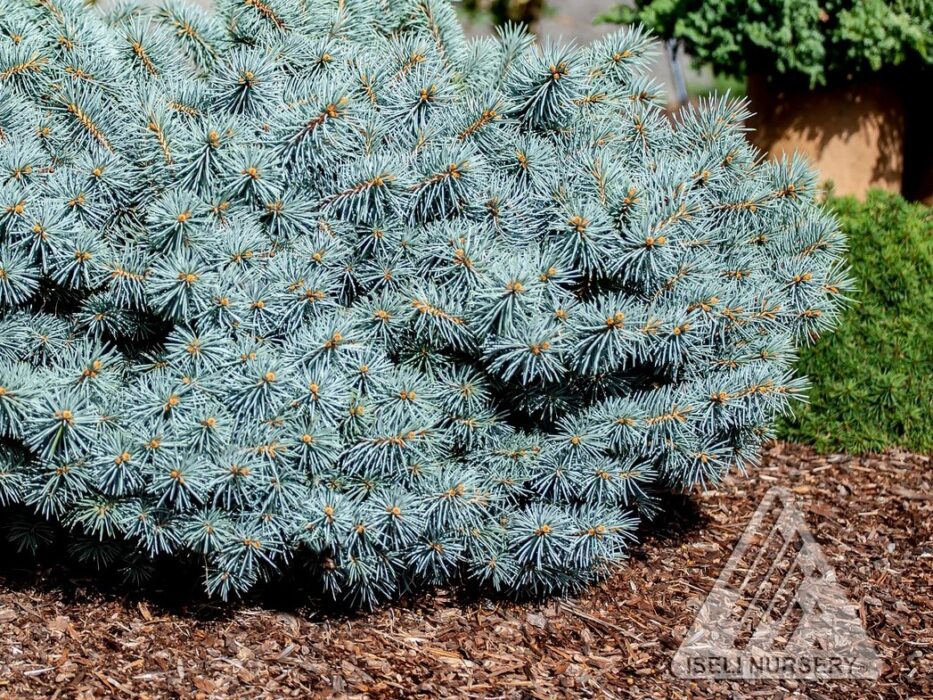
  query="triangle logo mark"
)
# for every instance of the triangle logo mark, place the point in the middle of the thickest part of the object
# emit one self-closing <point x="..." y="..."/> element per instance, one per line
<point x="776" y="610"/>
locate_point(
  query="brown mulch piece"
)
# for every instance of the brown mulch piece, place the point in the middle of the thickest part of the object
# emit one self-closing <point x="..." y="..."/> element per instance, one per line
<point x="872" y="515"/>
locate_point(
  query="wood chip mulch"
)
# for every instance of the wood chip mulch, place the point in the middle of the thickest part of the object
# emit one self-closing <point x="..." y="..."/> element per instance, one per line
<point x="872" y="515"/>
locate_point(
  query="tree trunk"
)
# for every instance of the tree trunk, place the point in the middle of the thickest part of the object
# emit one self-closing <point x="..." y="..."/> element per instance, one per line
<point x="521" y="11"/>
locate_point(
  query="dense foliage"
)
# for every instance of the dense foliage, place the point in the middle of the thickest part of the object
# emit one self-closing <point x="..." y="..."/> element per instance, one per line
<point x="810" y="41"/>
<point x="327" y="282"/>
<point x="870" y="386"/>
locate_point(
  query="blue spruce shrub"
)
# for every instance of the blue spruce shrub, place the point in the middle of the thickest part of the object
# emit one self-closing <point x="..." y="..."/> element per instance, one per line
<point x="329" y="282"/>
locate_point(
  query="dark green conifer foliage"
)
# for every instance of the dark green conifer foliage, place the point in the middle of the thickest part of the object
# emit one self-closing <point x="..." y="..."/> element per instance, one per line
<point x="867" y="394"/>
<point x="327" y="281"/>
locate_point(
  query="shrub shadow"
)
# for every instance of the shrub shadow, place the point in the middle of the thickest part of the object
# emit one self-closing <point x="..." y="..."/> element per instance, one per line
<point x="176" y="587"/>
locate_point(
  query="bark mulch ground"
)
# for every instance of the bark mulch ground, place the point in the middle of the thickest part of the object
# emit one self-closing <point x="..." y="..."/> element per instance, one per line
<point x="872" y="515"/>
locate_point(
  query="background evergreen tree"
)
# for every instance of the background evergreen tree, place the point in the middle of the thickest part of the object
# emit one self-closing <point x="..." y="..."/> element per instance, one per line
<point x="807" y="43"/>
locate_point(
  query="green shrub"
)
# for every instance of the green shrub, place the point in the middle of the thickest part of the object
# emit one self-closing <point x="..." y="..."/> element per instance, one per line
<point x="812" y="41"/>
<point x="872" y="384"/>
